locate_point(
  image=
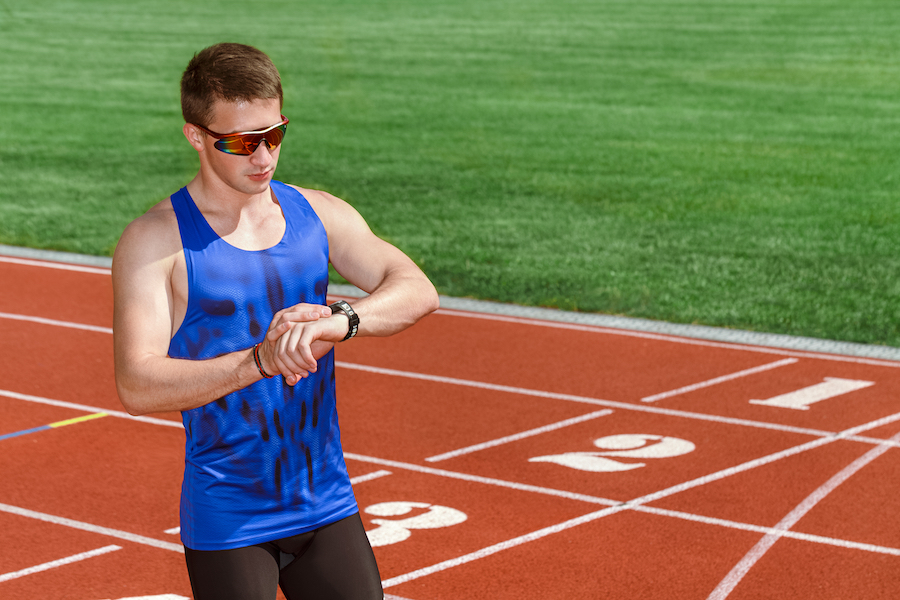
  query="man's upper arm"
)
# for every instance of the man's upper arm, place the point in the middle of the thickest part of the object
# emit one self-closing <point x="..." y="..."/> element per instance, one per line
<point x="360" y="256"/>
<point x="143" y="307"/>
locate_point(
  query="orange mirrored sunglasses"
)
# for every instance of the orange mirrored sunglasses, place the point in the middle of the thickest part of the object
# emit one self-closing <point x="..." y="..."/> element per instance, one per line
<point x="246" y="142"/>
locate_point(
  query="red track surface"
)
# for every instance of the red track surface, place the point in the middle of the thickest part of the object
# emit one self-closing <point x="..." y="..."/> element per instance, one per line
<point x="751" y="501"/>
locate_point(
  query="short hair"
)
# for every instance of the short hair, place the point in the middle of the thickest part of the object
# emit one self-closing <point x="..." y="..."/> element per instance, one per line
<point x="230" y="72"/>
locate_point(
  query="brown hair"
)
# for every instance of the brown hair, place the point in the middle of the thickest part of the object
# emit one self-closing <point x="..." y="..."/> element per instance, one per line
<point x="230" y="72"/>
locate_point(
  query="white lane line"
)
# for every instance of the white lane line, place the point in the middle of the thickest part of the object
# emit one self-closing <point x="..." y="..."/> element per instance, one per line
<point x="55" y="323"/>
<point x="512" y="543"/>
<point x="59" y="563"/>
<point x="583" y="399"/>
<point x="520" y="436"/>
<point x="54" y="265"/>
<point x="369" y="477"/>
<point x="107" y="531"/>
<point x="90" y="409"/>
<point x="717" y="380"/>
<point x="478" y="479"/>
<point x="680" y="338"/>
<point x="523" y="391"/>
<point x="727" y="585"/>
<point x="520" y="391"/>
<point x="806" y="537"/>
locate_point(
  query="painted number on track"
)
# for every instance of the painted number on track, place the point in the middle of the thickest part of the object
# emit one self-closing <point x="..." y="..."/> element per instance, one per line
<point x="629" y="445"/>
<point x="391" y="531"/>
<point x="801" y="399"/>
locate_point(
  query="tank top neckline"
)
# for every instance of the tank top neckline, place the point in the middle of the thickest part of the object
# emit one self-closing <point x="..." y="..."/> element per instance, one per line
<point x="192" y="206"/>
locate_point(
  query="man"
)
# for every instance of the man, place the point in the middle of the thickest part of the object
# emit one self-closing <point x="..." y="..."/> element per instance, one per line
<point x="220" y="313"/>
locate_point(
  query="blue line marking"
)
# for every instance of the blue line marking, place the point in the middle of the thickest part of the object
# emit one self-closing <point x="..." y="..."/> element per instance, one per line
<point x="24" y="432"/>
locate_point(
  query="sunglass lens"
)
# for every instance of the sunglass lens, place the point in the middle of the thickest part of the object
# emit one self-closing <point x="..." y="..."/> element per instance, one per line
<point x="248" y="143"/>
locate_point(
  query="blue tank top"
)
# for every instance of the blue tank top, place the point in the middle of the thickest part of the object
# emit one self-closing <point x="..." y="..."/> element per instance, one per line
<point x="264" y="462"/>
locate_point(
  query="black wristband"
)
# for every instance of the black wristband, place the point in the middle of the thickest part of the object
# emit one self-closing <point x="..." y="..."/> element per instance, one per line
<point x="341" y="306"/>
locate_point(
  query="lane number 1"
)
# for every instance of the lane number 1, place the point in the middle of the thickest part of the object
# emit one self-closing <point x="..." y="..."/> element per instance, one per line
<point x="801" y="399"/>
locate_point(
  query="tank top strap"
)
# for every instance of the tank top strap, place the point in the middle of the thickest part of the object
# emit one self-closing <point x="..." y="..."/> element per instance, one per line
<point x="196" y="233"/>
<point x="301" y="220"/>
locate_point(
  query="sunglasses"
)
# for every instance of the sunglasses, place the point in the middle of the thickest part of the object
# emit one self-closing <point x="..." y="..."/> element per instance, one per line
<point x="247" y="142"/>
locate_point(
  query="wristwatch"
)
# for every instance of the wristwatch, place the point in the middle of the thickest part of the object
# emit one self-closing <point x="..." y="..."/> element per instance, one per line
<point x="341" y="306"/>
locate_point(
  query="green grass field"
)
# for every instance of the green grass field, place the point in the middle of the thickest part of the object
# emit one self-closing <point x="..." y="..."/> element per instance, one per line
<point x="711" y="161"/>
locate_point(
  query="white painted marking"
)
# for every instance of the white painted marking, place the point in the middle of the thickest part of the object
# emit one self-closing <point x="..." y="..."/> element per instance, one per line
<point x="173" y="531"/>
<point x="717" y="380"/>
<point x="520" y="436"/>
<point x="54" y="265"/>
<point x="55" y="323"/>
<point x="734" y="577"/>
<point x="391" y="531"/>
<point x="122" y="535"/>
<point x="629" y="445"/>
<point x="59" y="563"/>
<point x="801" y="399"/>
<point x="369" y="477"/>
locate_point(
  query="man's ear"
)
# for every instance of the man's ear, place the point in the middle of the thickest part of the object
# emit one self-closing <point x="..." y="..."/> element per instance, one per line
<point x="194" y="136"/>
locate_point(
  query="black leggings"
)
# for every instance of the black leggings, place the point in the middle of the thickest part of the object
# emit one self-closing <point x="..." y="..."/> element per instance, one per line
<point x="334" y="562"/>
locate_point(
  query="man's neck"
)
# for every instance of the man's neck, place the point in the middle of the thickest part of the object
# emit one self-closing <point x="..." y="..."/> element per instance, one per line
<point x="247" y="221"/>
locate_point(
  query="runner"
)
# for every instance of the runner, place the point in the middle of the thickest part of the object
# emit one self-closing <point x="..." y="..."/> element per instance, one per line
<point x="220" y="313"/>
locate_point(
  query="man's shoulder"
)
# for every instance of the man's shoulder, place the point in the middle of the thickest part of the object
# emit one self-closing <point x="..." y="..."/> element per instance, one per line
<point x="324" y="203"/>
<point x="153" y="233"/>
<point x="159" y="220"/>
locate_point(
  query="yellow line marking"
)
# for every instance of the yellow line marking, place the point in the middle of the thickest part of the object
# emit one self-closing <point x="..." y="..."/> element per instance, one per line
<point x="78" y="420"/>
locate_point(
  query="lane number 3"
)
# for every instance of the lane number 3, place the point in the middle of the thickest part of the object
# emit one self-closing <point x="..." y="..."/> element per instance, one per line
<point x="391" y="531"/>
<point x="628" y="445"/>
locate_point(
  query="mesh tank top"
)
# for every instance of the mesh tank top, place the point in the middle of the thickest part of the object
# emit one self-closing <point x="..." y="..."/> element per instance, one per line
<point x="264" y="462"/>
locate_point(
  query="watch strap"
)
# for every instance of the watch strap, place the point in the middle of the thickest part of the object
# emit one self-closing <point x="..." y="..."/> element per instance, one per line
<point x="344" y="307"/>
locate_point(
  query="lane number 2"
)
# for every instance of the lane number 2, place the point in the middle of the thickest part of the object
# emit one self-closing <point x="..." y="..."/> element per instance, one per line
<point x="629" y="445"/>
<point x="391" y="531"/>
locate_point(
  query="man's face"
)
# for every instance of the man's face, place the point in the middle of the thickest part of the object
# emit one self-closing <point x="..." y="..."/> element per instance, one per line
<point x="248" y="174"/>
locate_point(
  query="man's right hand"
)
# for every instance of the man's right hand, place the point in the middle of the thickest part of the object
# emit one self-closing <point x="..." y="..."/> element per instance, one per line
<point x="286" y="351"/>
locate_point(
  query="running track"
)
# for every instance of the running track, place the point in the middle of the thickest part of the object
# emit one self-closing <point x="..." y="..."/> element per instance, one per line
<point x="494" y="457"/>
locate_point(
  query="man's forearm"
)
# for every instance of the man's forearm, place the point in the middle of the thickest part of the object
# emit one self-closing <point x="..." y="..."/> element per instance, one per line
<point x="396" y="304"/>
<point x="162" y="384"/>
